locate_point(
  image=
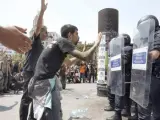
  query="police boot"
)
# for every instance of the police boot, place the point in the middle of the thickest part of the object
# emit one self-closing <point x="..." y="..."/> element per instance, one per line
<point x="126" y="112"/>
<point x="5" y="91"/>
<point x="31" y="118"/>
<point x="116" y="116"/>
<point x="134" y="117"/>
<point x="109" y="108"/>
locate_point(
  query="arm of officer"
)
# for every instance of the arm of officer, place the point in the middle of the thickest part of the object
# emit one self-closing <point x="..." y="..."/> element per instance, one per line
<point x="155" y="52"/>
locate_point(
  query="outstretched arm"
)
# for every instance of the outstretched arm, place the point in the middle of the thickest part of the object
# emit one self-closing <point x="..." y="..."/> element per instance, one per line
<point x="74" y="59"/>
<point x="85" y="55"/>
<point x="71" y="61"/>
<point x="40" y="18"/>
<point x="66" y="46"/>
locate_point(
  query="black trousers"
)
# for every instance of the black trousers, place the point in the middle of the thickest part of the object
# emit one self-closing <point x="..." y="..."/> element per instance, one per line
<point x="144" y="113"/>
<point x="111" y="97"/>
<point x="155" y="97"/>
<point x="122" y="102"/>
<point x="26" y="100"/>
<point x="91" y="75"/>
<point x="154" y="104"/>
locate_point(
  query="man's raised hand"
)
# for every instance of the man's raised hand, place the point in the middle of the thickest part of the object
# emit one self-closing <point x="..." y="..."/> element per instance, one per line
<point x="97" y="42"/>
<point x="43" y="5"/>
<point x="84" y="47"/>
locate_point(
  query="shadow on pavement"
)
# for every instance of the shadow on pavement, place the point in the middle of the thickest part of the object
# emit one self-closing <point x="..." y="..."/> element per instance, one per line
<point x="79" y="118"/>
<point x="5" y="108"/>
<point x="69" y="89"/>
<point x="11" y="93"/>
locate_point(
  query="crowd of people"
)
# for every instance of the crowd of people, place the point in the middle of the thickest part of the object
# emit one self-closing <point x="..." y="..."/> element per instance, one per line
<point x="10" y="73"/>
<point x="82" y="73"/>
<point x="43" y="68"/>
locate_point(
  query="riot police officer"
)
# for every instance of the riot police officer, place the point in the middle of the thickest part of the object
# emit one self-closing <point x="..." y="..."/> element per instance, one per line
<point x="121" y="101"/>
<point x="154" y="104"/>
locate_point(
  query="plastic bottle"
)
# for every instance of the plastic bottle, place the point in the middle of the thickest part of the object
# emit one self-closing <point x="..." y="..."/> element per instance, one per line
<point x="79" y="113"/>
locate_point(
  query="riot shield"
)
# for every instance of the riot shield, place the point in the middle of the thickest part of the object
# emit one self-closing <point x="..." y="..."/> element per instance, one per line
<point x="117" y="79"/>
<point x="142" y="63"/>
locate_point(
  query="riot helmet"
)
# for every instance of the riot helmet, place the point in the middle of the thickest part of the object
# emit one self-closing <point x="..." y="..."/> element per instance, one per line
<point x="127" y="39"/>
<point x="149" y="17"/>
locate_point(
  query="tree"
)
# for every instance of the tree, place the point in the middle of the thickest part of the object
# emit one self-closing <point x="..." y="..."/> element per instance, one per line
<point x="2" y="55"/>
<point x="18" y="57"/>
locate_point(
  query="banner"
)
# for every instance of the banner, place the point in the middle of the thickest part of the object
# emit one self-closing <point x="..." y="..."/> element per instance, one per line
<point x="101" y="58"/>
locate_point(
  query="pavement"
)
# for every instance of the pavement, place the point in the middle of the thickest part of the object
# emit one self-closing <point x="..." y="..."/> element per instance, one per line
<point x="76" y="96"/>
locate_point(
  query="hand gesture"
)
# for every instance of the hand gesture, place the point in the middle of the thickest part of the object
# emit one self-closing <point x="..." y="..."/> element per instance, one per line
<point x="43" y="5"/>
<point x="84" y="47"/>
<point x="14" y="38"/>
<point x="154" y="54"/>
<point x="99" y="38"/>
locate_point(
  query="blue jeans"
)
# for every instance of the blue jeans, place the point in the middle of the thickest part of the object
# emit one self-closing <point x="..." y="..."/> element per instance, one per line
<point x="82" y="76"/>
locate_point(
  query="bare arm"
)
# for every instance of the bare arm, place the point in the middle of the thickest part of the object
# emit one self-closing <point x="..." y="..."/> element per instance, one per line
<point x="71" y="61"/>
<point x="40" y="18"/>
<point x="84" y="55"/>
<point x="74" y="59"/>
<point x="67" y="47"/>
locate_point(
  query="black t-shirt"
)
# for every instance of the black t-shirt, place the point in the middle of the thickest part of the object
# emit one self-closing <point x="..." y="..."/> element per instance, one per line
<point x="52" y="58"/>
<point x="33" y="55"/>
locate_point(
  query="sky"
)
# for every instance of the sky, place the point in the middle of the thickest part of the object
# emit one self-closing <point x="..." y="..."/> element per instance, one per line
<point x="81" y="13"/>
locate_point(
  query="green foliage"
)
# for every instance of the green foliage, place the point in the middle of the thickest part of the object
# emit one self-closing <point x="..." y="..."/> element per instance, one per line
<point x="18" y="57"/>
<point x="80" y="46"/>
